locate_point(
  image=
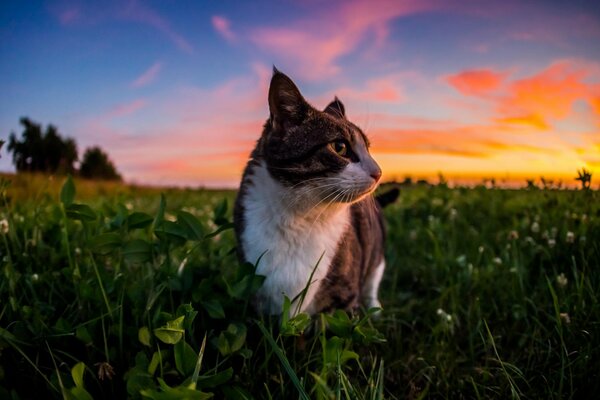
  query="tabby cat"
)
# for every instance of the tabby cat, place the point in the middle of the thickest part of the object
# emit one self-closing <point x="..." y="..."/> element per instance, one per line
<point x="305" y="210"/>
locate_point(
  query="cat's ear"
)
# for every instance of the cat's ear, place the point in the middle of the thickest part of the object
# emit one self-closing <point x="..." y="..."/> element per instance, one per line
<point x="286" y="104"/>
<point x="336" y="108"/>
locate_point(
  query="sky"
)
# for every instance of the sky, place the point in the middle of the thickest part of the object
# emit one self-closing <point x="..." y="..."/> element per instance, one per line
<point x="176" y="91"/>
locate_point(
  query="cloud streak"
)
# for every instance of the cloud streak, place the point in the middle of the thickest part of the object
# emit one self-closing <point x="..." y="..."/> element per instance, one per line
<point x="148" y="76"/>
<point x="223" y="26"/>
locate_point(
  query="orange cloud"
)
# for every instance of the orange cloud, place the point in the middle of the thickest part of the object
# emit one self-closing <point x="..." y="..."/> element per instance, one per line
<point x="531" y="121"/>
<point x="477" y="82"/>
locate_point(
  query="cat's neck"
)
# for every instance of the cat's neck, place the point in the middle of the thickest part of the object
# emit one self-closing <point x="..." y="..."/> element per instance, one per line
<point x="293" y="238"/>
<point x="292" y="206"/>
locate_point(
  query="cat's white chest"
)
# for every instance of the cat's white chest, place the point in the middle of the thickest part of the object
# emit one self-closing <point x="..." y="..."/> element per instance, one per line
<point x="290" y="245"/>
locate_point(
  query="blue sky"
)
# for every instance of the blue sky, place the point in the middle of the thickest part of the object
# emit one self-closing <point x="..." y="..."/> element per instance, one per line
<point x="176" y="91"/>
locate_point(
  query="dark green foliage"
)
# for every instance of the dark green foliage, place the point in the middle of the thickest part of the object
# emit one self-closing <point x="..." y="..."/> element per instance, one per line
<point x="96" y="165"/>
<point x="487" y="294"/>
<point x="42" y="152"/>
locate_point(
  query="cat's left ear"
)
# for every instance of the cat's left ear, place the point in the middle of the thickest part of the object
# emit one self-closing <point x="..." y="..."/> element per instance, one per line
<point x="336" y="108"/>
<point x="286" y="104"/>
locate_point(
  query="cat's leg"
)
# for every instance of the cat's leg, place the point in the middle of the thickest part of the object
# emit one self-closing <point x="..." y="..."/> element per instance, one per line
<point x="371" y="286"/>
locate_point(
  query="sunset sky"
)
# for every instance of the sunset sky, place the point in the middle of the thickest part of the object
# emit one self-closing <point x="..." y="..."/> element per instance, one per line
<point x="176" y="91"/>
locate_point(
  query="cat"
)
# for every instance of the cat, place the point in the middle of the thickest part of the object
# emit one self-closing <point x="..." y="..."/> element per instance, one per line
<point x="305" y="212"/>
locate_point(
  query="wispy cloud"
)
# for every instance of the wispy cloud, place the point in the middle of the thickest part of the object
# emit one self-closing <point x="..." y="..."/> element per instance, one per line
<point x="147" y="76"/>
<point x="125" y="109"/>
<point x="135" y="10"/>
<point x="315" y="44"/>
<point x="477" y="82"/>
<point x="223" y="26"/>
<point x="69" y="15"/>
<point x="94" y="13"/>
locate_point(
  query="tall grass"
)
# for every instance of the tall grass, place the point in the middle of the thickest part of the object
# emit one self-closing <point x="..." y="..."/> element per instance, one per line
<point x="114" y="291"/>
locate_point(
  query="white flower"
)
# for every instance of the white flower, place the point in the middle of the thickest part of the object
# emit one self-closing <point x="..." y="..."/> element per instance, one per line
<point x="412" y="235"/>
<point x="35" y="277"/>
<point x="551" y="243"/>
<point x="4" y="226"/>
<point x="535" y="227"/>
<point x="129" y="205"/>
<point x="570" y="237"/>
<point x="77" y="251"/>
<point x="497" y="261"/>
<point x="529" y="240"/>
<point x="562" y="280"/>
<point x="565" y="317"/>
<point x="480" y="249"/>
<point x="513" y="235"/>
<point x="453" y="213"/>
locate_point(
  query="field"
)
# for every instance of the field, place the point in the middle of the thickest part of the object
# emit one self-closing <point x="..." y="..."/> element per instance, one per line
<point x="109" y="291"/>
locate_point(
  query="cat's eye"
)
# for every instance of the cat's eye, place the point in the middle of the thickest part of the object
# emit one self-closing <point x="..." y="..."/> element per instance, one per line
<point x="340" y="147"/>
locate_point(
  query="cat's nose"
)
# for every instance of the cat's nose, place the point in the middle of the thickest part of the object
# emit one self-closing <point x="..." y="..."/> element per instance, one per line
<point x="376" y="174"/>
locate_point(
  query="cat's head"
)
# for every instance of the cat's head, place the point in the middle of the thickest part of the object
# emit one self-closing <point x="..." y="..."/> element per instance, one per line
<point x="319" y="153"/>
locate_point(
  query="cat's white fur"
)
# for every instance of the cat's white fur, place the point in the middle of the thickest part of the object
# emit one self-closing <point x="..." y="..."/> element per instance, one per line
<point x="291" y="235"/>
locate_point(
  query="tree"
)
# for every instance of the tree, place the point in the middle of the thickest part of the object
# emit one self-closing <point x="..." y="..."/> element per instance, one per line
<point x="97" y="165"/>
<point x="42" y="152"/>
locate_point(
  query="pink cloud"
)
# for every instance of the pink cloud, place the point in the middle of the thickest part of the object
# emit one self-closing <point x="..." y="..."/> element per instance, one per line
<point x="147" y="76"/>
<point x="223" y="26"/>
<point x="140" y="12"/>
<point x="69" y="16"/>
<point x="314" y="44"/>
<point x="125" y="109"/>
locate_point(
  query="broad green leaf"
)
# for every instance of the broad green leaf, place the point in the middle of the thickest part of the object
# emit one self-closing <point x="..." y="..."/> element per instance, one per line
<point x="144" y="335"/>
<point x="138" y="220"/>
<point x="191" y="224"/>
<point x="176" y="393"/>
<point x="224" y="227"/>
<point x="137" y="251"/>
<point x="236" y="393"/>
<point x="296" y="325"/>
<point x="212" y="381"/>
<point x="81" y="212"/>
<point x="105" y="243"/>
<point x="83" y="334"/>
<point x="334" y="352"/>
<point x="214" y="308"/>
<point x="160" y="214"/>
<point x="366" y="334"/>
<point x="246" y="287"/>
<point x="169" y="230"/>
<point x="77" y="374"/>
<point x="339" y="323"/>
<point x="156" y="360"/>
<point x="67" y="193"/>
<point x="172" y="332"/>
<point x="185" y="358"/>
<point x="220" y="211"/>
<point x="232" y="339"/>
<point x="80" y="393"/>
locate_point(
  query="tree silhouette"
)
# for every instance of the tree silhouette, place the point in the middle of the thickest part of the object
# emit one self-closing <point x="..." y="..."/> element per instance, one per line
<point x="97" y="165"/>
<point x="42" y="152"/>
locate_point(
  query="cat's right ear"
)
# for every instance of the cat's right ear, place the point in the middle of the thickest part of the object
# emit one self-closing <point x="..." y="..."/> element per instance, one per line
<point x="336" y="108"/>
<point x="286" y="104"/>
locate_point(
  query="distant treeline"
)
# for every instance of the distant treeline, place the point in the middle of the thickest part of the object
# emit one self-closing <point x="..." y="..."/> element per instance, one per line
<point x="48" y="152"/>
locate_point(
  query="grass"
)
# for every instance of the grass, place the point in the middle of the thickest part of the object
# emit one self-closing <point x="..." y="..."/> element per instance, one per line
<point x="111" y="291"/>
